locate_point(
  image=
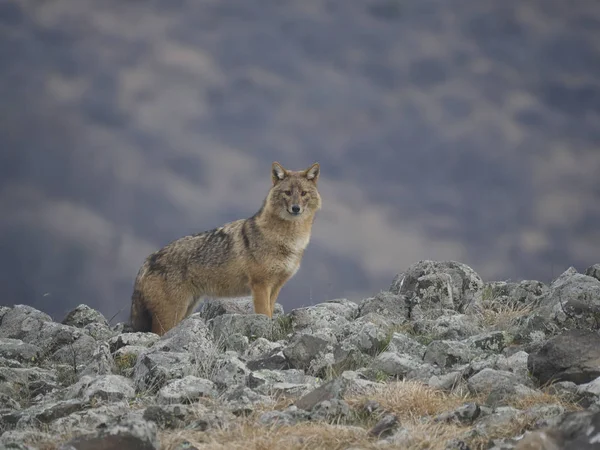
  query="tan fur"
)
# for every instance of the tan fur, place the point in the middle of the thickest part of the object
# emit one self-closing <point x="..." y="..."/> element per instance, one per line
<point x="256" y="256"/>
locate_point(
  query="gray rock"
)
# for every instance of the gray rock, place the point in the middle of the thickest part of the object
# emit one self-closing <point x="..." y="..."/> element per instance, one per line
<point x="557" y="361"/>
<point x="153" y="370"/>
<point x="134" y="339"/>
<point x="332" y="315"/>
<point x="593" y="271"/>
<point x="496" y="422"/>
<point x="21" y="321"/>
<point x="270" y="382"/>
<point x="62" y="343"/>
<point x="489" y="379"/>
<point x="386" y="304"/>
<point x="516" y="363"/>
<point x="367" y="337"/>
<point x="229" y="371"/>
<point x="446" y="354"/>
<point x="101" y="363"/>
<point x="503" y="394"/>
<point x="89" y="419"/>
<point x="385" y="426"/>
<point x="526" y="292"/>
<point x="8" y="402"/>
<point x="446" y="382"/>
<point x="449" y="327"/>
<point x="241" y="400"/>
<point x="99" y="331"/>
<point x="19" y="440"/>
<point x="186" y="390"/>
<point x="27" y="383"/>
<point x="404" y="344"/>
<point x="307" y="346"/>
<point x="253" y="326"/>
<point x="111" y="388"/>
<point x="125" y="359"/>
<point x="273" y="361"/>
<point x="211" y="308"/>
<point x="125" y="434"/>
<point x="18" y="350"/>
<point x="453" y="286"/>
<point x="260" y="348"/>
<point x="464" y="415"/>
<point x="290" y="416"/>
<point x="574" y="300"/>
<point x="168" y="416"/>
<point x="83" y="315"/>
<point x="190" y="335"/>
<point x="357" y="384"/>
<point x="334" y="389"/>
<point x="395" y="365"/>
<point x="47" y="412"/>
<point x="493" y="342"/>
<point x="332" y="410"/>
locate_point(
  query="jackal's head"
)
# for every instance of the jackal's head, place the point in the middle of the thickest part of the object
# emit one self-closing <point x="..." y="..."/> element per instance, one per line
<point x="294" y="194"/>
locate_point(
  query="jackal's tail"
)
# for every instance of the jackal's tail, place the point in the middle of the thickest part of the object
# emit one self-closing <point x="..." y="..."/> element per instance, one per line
<point x="141" y="319"/>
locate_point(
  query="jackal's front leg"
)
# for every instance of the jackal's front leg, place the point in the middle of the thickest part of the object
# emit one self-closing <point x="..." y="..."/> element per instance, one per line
<point x="261" y="298"/>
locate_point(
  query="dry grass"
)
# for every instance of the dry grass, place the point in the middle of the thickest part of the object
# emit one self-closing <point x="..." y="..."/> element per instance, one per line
<point x="541" y="399"/>
<point x="414" y="403"/>
<point x="411" y="399"/>
<point x="499" y="315"/>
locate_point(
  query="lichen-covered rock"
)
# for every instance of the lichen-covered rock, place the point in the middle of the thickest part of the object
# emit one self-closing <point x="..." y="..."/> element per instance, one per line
<point x="332" y="315"/>
<point x="211" y="308"/>
<point x="269" y="382"/>
<point x="111" y="388"/>
<point x="152" y="370"/>
<point x="432" y="286"/>
<point x="404" y="344"/>
<point x="307" y="346"/>
<point x="396" y="365"/>
<point x="136" y="339"/>
<point x="229" y="371"/>
<point x="191" y="335"/>
<point x="488" y="379"/>
<point x="252" y="326"/>
<point x="83" y="315"/>
<point x="21" y="321"/>
<point x="571" y="356"/>
<point x="446" y="354"/>
<point x="124" y="434"/>
<point x="574" y="301"/>
<point x="47" y="412"/>
<point x="17" y="350"/>
<point x="20" y="383"/>
<point x="101" y="362"/>
<point x="386" y="304"/>
<point x="593" y="271"/>
<point x="186" y="390"/>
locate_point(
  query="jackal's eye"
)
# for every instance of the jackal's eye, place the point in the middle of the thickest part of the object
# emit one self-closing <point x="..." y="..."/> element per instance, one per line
<point x="288" y="192"/>
<point x="303" y="193"/>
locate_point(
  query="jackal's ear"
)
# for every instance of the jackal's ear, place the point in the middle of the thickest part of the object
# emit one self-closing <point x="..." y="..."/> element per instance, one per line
<point x="278" y="173"/>
<point x="312" y="173"/>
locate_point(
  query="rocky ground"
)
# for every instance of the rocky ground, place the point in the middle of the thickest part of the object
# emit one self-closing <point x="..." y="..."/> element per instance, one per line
<point x="440" y="360"/>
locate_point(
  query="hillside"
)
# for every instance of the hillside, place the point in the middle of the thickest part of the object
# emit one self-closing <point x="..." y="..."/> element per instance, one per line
<point x="438" y="360"/>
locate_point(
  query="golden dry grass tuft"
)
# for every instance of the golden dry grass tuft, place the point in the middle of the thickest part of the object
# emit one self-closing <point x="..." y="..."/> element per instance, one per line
<point x="499" y="315"/>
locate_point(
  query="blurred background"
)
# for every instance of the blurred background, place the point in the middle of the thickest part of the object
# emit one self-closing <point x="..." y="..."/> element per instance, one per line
<point x="463" y="130"/>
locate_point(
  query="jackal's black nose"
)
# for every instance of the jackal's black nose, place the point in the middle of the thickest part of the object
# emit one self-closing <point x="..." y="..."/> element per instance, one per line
<point x="295" y="209"/>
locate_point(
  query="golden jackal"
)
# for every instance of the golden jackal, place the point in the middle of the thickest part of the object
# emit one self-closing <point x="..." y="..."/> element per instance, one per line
<point x="248" y="256"/>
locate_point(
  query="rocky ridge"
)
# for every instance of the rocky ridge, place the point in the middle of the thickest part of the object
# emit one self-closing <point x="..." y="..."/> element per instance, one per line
<point x="440" y="359"/>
